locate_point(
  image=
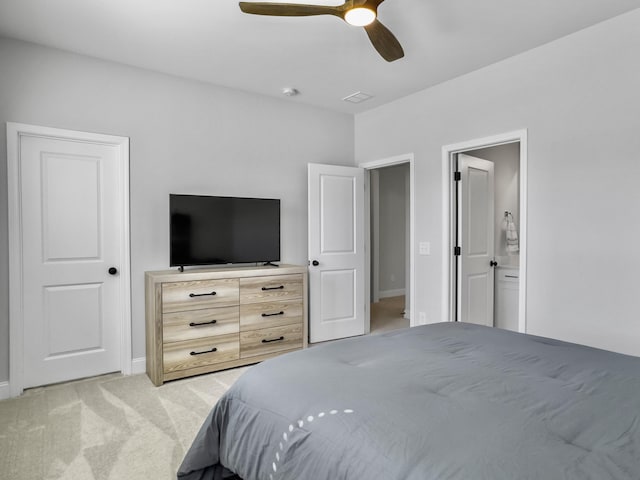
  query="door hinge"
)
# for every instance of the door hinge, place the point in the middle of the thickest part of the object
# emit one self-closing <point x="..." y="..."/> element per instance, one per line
<point x="457" y="176"/>
<point x="456" y="251"/>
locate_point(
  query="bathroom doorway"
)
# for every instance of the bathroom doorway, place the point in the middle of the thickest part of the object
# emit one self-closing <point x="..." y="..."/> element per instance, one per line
<point x="486" y="226"/>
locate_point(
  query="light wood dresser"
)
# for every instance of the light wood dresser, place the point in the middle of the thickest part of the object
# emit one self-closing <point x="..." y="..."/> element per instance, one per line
<point x="203" y="320"/>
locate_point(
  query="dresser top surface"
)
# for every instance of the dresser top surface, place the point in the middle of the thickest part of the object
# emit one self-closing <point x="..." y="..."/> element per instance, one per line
<point x="174" y="275"/>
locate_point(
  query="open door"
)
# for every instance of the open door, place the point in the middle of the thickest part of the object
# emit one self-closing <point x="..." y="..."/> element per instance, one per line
<point x="476" y="234"/>
<point x="336" y="252"/>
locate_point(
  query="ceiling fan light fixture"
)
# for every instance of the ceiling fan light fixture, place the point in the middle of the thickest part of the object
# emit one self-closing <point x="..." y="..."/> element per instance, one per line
<point x="359" y="16"/>
<point x="359" y="13"/>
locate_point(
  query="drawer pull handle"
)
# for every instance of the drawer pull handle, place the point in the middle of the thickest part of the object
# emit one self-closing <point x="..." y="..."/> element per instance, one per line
<point x="214" y="349"/>
<point x="272" y="314"/>
<point x="281" y="287"/>
<point x="511" y="276"/>
<point x="264" y="340"/>
<point x="201" y="294"/>
<point x="196" y="324"/>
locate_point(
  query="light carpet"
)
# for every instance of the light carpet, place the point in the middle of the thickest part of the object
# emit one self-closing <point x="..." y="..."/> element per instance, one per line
<point x="105" y="428"/>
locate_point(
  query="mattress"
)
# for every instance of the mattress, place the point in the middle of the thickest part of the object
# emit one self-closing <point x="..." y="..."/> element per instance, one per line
<point x="445" y="401"/>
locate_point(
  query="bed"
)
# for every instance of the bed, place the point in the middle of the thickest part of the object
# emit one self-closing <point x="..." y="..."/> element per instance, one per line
<point x="445" y="401"/>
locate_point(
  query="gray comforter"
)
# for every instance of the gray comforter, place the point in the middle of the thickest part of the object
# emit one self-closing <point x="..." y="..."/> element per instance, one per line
<point x="445" y="401"/>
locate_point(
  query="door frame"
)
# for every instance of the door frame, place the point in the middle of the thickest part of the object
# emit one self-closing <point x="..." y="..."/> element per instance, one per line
<point x="16" y="294"/>
<point x="448" y="219"/>
<point x="372" y="165"/>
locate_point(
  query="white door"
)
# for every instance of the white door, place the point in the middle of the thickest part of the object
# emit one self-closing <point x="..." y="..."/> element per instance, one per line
<point x="336" y="252"/>
<point x="476" y="239"/>
<point x="72" y="218"/>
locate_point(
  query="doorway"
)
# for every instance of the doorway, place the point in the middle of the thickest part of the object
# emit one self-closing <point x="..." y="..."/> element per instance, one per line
<point x="389" y="235"/>
<point x="339" y="246"/>
<point x="389" y="216"/>
<point x="484" y="231"/>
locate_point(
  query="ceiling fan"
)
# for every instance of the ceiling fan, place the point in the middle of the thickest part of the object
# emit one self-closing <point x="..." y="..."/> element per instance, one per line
<point x="360" y="13"/>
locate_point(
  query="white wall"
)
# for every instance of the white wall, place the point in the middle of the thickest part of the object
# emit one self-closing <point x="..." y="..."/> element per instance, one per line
<point x="580" y="101"/>
<point x="186" y="137"/>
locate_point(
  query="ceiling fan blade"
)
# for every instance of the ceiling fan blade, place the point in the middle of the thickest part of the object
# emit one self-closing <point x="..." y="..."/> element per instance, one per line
<point x="373" y="4"/>
<point x="288" y="9"/>
<point x="384" y="41"/>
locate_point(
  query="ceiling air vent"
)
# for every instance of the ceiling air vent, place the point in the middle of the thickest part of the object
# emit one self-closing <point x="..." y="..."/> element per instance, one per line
<point x="357" y="97"/>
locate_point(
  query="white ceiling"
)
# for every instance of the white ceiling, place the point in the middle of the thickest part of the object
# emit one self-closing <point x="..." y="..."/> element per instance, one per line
<point x="322" y="57"/>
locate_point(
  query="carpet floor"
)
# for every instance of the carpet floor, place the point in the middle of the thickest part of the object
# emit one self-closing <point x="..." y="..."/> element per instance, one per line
<point x="105" y="428"/>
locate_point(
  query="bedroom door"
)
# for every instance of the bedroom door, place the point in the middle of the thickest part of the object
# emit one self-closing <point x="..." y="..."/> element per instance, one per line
<point x="336" y="252"/>
<point x="476" y="234"/>
<point x="73" y="253"/>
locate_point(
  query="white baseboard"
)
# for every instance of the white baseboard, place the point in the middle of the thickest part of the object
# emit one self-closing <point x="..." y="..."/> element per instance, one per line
<point x="391" y="293"/>
<point x="5" y="392"/>
<point x="138" y="365"/>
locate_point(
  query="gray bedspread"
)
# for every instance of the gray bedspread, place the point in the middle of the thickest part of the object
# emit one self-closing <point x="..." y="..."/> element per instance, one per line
<point x="444" y="401"/>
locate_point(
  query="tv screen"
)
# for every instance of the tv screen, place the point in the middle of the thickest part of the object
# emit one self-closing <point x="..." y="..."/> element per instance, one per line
<point x="207" y="230"/>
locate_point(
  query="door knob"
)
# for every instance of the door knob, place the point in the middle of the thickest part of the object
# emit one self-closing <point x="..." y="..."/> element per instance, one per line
<point x="493" y="263"/>
<point x="112" y="271"/>
<point x="315" y="263"/>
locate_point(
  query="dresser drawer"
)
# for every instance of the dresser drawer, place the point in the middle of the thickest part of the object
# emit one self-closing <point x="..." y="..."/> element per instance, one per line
<point x="270" y="314"/>
<point x="194" y="324"/>
<point x="181" y="296"/>
<point x="276" y="287"/>
<point x="197" y="353"/>
<point x="270" y="340"/>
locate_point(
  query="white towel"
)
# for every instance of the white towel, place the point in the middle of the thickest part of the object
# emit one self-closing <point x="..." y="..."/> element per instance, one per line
<point x="512" y="235"/>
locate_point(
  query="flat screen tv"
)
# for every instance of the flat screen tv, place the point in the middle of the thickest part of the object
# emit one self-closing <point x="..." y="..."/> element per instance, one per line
<point x="208" y="230"/>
